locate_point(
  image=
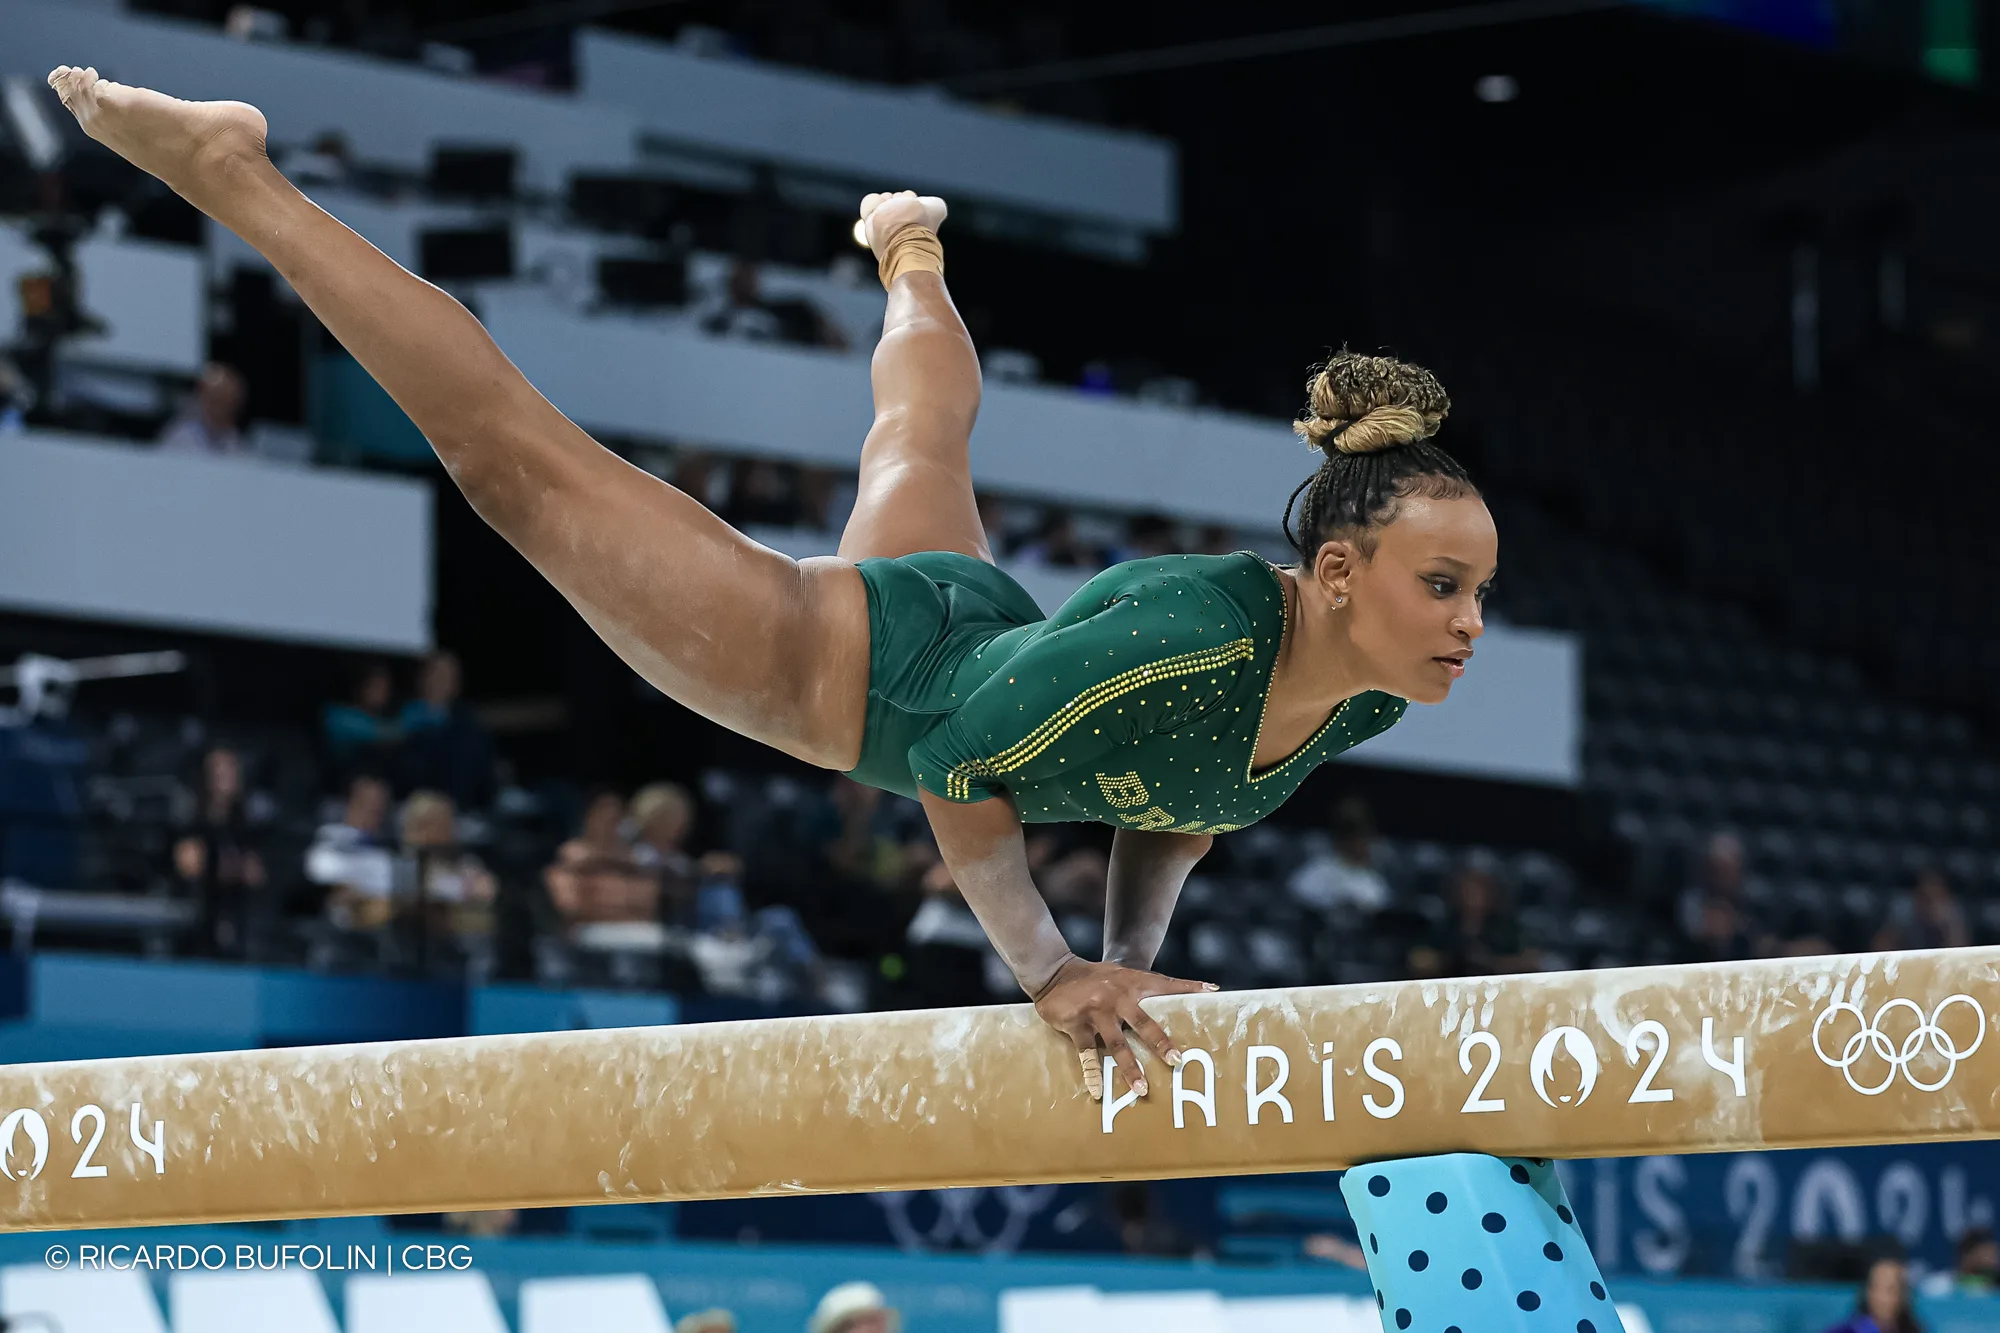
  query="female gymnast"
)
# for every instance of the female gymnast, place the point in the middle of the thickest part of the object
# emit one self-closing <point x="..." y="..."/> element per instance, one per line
<point x="1172" y="699"/>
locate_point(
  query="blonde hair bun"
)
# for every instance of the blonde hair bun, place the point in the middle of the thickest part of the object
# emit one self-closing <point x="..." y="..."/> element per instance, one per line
<point x="1360" y="404"/>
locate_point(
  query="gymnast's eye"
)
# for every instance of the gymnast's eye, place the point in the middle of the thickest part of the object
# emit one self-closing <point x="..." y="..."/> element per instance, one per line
<point x="1442" y="585"/>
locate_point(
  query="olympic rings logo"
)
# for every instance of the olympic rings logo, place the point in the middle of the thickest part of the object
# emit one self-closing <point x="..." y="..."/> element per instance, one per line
<point x="1898" y="1057"/>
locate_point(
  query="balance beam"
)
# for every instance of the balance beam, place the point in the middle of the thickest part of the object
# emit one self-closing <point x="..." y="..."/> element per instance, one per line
<point x="1875" y="1048"/>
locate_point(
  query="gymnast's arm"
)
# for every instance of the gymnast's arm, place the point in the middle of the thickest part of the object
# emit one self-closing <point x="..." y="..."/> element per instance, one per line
<point x="1013" y="733"/>
<point x="1090" y="1003"/>
<point x="1147" y="872"/>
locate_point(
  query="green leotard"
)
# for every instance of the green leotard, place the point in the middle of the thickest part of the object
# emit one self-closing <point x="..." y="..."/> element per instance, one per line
<point x="1138" y="704"/>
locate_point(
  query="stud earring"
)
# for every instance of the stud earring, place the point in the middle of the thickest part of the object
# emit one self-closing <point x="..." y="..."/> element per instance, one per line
<point x="1338" y="600"/>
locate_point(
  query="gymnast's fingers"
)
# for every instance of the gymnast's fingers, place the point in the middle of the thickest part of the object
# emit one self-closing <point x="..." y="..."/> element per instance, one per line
<point x="1119" y="1055"/>
<point x="1163" y="985"/>
<point x="1150" y="1032"/>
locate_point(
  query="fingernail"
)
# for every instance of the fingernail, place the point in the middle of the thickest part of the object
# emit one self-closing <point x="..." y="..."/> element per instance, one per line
<point x="1140" y="1087"/>
<point x="1210" y="985"/>
<point x="1173" y="1059"/>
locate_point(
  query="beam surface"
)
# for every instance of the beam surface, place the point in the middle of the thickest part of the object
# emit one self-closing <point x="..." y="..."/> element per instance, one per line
<point x="1875" y="1048"/>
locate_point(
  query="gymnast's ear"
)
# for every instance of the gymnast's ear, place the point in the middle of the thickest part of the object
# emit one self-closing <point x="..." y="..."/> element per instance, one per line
<point x="1332" y="565"/>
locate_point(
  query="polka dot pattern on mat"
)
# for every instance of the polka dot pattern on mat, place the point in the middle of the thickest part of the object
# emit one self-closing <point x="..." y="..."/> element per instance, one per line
<point x="1464" y="1241"/>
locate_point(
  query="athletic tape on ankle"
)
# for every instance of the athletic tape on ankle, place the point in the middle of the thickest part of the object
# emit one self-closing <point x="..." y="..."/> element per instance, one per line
<point x="914" y="249"/>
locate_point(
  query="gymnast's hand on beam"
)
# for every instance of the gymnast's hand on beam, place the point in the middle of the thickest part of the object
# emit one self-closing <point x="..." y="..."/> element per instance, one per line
<point x="1094" y="1004"/>
<point x="1090" y="1003"/>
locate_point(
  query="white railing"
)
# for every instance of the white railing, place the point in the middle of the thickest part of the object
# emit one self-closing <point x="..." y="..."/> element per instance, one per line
<point x="734" y="111"/>
<point x="107" y="530"/>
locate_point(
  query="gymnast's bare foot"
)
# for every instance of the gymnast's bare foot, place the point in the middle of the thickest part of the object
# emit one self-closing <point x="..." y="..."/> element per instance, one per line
<point x="883" y="215"/>
<point x="193" y="146"/>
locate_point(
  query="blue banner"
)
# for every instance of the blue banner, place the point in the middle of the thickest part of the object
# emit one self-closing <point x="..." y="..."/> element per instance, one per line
<point x="1729" y="1215"/>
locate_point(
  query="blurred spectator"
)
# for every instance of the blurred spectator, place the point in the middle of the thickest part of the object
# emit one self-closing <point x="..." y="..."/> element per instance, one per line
<point x="486" y="1224"/>
<point x="767" y="956"/>
<point x="739" y="312"/>
<point x="249" y="23"/>
<point x="948" y="961"/>
<point x="662" y="816"/>
<point x="862" y="852"/>
<point x="763" y="493"/>
<point x="1074" y="885"/>
<point x="326" y="161"/>
<point x="353" y="861"/>
<point x="1148" y="536"/>
<point x="596" y="880"/>
<point x="743" y="311"/>
<point x="1141" y="1229"/>
<point x="1479" y="936"/>
<point x="1334" y="1250"/>
<point x="1719" y="935"/>
<point x="360" y="735"/>
<point x="1978" y="1266"/>
<point x="1809" y="945"/>
<point x="1928" y="918"/>
<point x="706" y="1321"/>
<point x="444" y="747"/>
<point x="855" y="1307"/>
<point x="16" y="397"/>
<point x="1058" y="545"/>
<point x="1975" y="1270"/>
<point x="210" y="423"/>
<point x="456" y="889"/>
<point x="1346" y="877"/>
<point x="1720" y="876"/>
<point x="820" y="491"/>
<point x="218" y="856"/>
<point x="1217" y="539"/>
<point x="1884" y="1303"/>
<point x="993" y="519"/>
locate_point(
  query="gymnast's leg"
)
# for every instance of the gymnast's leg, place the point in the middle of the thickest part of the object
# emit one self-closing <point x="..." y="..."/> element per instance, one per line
<point x="915" y="489"/>
<point x="769" y="647"/>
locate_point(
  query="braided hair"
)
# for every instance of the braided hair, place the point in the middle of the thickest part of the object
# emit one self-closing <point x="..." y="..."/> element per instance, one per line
<point x="1373" y="417"/>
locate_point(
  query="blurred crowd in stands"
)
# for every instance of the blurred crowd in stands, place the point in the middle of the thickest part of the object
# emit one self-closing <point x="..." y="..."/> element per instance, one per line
<point x="790" y="892"/>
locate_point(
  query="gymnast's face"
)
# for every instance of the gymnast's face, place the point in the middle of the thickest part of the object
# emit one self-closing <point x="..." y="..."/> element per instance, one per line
<point x="1416" y="605"/>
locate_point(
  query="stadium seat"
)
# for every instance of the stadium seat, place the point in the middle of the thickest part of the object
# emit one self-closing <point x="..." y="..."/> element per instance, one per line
<point x="1037" y="1309"/>
<point x="73" y="1301"/>
<point x="1301" y="1314"/>
<point x="622" y="1303"/>
<point x="1160" y="1312"/>
<point x="233" y="1302"/>
<point x="423" y="1303"/>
